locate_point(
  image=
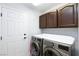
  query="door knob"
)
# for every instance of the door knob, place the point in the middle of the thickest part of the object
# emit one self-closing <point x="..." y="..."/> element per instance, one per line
<point x="25" y="37"/>
<point x="25" y="34"/>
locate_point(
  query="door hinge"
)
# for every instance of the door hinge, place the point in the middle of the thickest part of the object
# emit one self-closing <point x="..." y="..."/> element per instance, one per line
<point x="1" y="37"/>
<point x="1" y="14"/>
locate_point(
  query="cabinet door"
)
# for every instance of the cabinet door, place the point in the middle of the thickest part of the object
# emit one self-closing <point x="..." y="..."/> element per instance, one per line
<point x="42" y="21"/>
<point x="67" y="16"/>
<point x="51" y="20"/>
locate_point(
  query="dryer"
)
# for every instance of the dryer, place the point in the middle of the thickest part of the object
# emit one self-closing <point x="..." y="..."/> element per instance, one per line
<point x="52" y="48"/>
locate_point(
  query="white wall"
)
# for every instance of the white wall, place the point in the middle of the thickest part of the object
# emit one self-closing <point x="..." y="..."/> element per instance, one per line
<point x="65" y="31"/>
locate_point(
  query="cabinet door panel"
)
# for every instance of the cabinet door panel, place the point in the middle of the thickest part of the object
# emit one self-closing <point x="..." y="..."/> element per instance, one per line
<point x="51" y="20"/>
<point x="42" y="21"/>
<point x="67" y="16"/>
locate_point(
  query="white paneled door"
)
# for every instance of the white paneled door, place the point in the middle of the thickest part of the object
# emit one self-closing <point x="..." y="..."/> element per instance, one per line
<point x="14" y="31"/>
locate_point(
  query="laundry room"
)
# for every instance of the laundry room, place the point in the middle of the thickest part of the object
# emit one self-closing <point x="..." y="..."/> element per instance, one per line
<point x="55" y="27"/>
<point x="39" y="29"/>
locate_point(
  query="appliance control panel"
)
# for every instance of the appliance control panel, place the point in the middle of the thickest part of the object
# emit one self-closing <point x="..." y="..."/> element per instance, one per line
<point x="63" y="47"/>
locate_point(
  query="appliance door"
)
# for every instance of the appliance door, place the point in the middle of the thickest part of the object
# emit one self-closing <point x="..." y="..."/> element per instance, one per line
<point x="35" y="49"/>
<point x="51" y="52"/>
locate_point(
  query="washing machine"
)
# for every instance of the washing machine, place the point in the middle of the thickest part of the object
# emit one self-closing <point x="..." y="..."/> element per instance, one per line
<point x="52" y="48"/>
<point x="36" y="46"/>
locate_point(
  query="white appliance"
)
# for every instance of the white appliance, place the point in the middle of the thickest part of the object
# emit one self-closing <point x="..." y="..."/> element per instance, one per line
<point x="56" y="45"/>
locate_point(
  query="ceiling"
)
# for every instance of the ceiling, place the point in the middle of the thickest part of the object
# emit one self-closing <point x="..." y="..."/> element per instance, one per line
<point x="46" y="6"/>
<point x="43" y="6"/>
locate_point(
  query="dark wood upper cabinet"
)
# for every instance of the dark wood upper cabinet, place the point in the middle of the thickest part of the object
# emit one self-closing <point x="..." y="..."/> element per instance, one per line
<point x="67" y="16"/>
<point x="51" y="20"/>
<point x="48" y="20"/>
<point x="63" y="17"/>
<point x="42" y="21"/>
